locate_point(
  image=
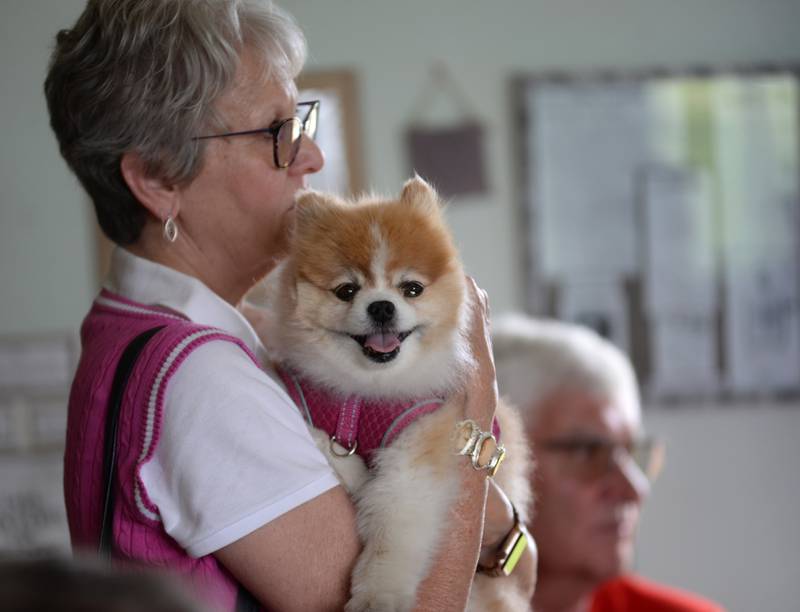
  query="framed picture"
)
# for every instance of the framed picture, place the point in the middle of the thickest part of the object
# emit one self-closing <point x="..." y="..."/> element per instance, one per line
<point x="338" y="134"/>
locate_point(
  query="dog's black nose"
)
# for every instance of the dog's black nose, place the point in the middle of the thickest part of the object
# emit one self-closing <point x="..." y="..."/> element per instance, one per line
<point x="381" y="312"/>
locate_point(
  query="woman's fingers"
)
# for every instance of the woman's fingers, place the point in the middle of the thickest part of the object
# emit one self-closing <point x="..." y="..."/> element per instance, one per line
<point x="481" y="388"/>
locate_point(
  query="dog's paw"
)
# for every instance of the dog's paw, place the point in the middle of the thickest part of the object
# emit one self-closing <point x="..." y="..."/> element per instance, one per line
<point x="370" y="601"/>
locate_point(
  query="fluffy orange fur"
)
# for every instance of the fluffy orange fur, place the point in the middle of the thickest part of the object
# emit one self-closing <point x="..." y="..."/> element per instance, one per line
<point x="411" y="227"/>
<point x="416" y="238"/>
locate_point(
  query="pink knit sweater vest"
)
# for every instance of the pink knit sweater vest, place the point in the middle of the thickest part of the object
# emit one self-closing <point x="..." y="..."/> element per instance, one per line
<point x="138" y="533"/>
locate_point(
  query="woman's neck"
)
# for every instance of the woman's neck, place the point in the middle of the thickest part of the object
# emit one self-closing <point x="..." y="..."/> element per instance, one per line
<point x="218" y="270"/>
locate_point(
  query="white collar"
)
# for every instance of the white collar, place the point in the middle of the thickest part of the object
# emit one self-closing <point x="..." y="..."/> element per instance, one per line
<point x="148" y="282"/>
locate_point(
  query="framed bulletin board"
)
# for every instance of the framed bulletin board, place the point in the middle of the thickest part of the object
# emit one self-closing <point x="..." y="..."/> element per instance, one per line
<point x="662" y="209"/>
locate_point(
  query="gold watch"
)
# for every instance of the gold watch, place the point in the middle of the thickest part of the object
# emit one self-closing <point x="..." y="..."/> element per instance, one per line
<point x="509" y="552"/>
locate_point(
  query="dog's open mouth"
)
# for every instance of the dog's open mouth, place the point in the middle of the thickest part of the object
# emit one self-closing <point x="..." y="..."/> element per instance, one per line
<point x="382" y="346"/>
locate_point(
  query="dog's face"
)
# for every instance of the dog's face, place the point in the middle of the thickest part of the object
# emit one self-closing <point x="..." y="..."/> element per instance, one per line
<point x="373" y="294"/>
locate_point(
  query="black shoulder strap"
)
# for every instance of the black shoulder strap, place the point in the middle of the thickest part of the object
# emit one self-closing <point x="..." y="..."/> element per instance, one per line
<point x="245" y="602"/>
<point x="123" y="372"/>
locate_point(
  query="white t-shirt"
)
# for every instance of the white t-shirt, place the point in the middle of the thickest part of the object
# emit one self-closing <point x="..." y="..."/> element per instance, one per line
<point x="234" y="452"/>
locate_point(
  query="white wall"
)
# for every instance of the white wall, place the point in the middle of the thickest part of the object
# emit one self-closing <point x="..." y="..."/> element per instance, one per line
<point x="45" y="236"/>
<point x="721" y="520"/>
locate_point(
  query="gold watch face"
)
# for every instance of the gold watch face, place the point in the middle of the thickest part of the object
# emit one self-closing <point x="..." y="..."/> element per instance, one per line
<point x="514" y="555"/>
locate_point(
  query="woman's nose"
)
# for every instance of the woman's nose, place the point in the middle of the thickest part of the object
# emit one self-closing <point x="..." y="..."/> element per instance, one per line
<point x="310" y="158"/>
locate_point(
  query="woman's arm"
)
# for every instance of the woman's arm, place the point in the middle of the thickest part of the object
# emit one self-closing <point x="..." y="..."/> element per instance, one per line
<point x="302" y="560"/>
<point x="448" y="583"/>
<point x="287" y="571"/>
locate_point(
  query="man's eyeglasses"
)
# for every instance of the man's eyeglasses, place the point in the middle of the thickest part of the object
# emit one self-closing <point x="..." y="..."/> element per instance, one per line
<point x="590" y="458"/>
<point x="286" y="134"/>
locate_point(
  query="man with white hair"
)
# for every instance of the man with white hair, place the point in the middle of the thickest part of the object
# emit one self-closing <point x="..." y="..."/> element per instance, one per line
<point x="580" y="401"/>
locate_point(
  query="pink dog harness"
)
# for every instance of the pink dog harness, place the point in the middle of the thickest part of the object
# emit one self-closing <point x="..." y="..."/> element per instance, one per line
<point x="358" y="425"/>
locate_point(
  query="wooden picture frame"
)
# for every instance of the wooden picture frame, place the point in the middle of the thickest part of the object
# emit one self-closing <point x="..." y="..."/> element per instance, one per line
<point x="340" y="121"/>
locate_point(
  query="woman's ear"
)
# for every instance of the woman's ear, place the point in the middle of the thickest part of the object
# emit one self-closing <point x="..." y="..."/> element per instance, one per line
<point x="156" y="195"/>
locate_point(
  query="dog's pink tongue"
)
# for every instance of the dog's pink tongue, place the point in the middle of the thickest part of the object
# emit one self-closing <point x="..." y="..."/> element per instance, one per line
<point x="382" y="343"/>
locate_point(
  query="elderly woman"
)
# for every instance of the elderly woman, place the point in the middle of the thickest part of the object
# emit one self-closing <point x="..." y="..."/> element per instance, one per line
<point x="179" y="118"/>
<point x="580" y="401"/>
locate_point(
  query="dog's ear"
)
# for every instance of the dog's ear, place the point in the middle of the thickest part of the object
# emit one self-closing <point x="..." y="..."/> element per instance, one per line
<point x="417" y="192"/>
<point x="312" y="205"/>
<point x="308" y="200"/>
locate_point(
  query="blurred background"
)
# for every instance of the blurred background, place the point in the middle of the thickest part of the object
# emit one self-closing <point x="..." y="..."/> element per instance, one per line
<point x="543" y="104"/>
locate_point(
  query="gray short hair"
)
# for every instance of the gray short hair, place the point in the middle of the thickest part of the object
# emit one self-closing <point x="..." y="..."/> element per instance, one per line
<point x="144" y="76"/>
<point x="535" y="358"/>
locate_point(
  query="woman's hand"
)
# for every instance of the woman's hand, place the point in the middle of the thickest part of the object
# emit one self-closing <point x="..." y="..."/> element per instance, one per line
<point x="481" y="388"/>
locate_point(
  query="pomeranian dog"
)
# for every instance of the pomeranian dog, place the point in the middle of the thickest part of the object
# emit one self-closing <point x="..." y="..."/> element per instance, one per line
<point x="367" y="324"/>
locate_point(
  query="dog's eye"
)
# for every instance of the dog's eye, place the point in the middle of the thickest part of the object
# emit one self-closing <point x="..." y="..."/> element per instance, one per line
<point x="412" y="289"/>
<point x="346" y="291"/>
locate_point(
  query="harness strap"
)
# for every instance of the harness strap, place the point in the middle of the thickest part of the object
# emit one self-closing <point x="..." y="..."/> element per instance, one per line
<point x="347" y="425"/>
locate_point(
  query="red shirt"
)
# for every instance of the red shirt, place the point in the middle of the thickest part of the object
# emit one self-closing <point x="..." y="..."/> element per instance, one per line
<point x="633" y="594"/>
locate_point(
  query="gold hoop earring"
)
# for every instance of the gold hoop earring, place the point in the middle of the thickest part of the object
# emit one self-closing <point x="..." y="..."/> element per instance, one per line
<point x="170" y="229"/>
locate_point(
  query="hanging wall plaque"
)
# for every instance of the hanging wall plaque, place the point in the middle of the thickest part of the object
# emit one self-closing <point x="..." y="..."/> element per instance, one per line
<point x="450" y="157"/>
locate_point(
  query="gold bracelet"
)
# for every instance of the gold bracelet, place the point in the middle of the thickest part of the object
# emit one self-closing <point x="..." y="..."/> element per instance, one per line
<point x="472" y="443"/>
<point x="510" y="551"/>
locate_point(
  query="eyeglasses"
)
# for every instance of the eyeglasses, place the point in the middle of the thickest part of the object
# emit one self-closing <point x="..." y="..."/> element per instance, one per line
<point x="591" y="458"/>
<point x="286" y="134"/>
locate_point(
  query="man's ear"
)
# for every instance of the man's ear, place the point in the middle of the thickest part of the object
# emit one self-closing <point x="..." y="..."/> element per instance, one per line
<point x="156" y="195"/>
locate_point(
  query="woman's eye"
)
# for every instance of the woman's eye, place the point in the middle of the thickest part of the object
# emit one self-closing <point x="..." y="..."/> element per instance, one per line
<point x="412" y="289"/>
<point x="346" y="291"/>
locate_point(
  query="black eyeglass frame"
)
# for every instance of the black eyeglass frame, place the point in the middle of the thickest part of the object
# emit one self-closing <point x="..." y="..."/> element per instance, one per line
<point x="274" y="129"/>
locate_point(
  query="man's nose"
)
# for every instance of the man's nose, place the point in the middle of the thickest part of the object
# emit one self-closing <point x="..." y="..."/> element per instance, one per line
<point x="629" y="479"/>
